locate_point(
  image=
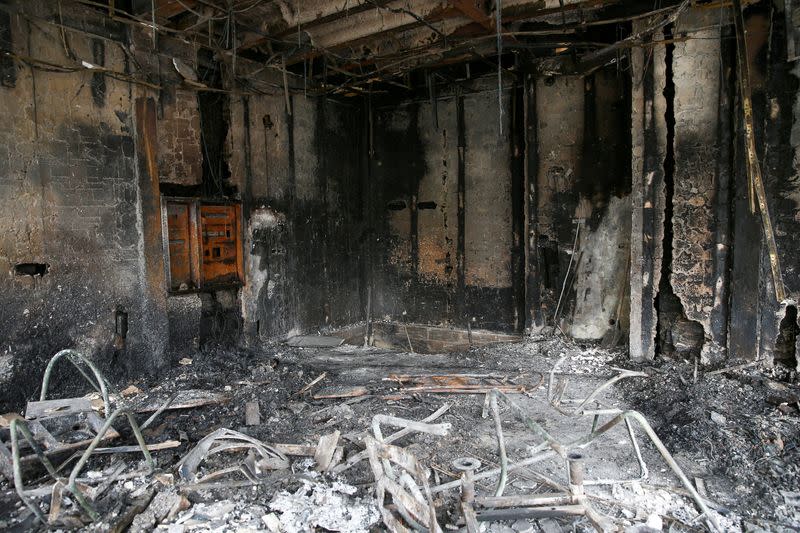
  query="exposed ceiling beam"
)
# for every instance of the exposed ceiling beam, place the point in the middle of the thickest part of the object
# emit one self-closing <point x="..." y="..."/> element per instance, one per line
<point x="170" y="8"/>
<point x="514" y="10"/>
<point x="401" y="15"/>
<point x="392" y="45"/>
<point x="395" y="15"/>
<point x="474" y="11"/>
<point x="307" y="12"/>
<point x="311" y="14"/>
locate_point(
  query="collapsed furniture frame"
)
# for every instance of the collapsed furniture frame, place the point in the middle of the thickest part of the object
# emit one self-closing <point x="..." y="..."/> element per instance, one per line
<point x="225" y="440"/>
<point x="578" y="407"/>
<point x="589" y="406"/>
<point x="570" y="502"/>
<point x="22" y="427"/>
<point x="557" y="449"/>
<point x="409" y="489"/>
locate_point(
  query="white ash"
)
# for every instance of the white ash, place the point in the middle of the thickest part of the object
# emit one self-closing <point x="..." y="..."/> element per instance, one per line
<point x="319" y="505"/>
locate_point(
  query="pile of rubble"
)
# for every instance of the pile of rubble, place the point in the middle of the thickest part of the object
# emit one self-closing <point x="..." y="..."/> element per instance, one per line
<point x="281" y="447"/>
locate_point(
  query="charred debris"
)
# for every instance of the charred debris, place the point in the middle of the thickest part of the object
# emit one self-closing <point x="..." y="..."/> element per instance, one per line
<point x="399" y="265"/>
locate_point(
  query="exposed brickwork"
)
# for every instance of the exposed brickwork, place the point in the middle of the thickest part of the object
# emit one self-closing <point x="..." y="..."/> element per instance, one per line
<point x="180" y="157"/>
<point x="68" y="198"/>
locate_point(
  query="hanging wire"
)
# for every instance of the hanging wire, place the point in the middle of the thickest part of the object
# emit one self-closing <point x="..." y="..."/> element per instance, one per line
<point x="153" y="16"/>
<point x="198" y="14"/>
<point x="498" y="19"/>
<point x="235" y="45"/>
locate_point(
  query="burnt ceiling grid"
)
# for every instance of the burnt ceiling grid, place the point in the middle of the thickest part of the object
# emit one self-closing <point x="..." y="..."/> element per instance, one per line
<point x="364" y="46"/>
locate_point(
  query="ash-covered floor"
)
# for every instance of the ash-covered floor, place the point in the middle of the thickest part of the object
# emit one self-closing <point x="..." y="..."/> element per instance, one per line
<point x="734" y="434"/>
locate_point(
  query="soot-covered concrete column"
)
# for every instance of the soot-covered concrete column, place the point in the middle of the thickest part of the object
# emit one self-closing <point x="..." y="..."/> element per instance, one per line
<point x="151" y="255"/>
<point x="696" y="75"/>
<point x="648" y="139"/>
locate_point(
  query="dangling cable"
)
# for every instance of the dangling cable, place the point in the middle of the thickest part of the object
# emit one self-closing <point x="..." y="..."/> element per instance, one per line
<point x="498" y="19"/>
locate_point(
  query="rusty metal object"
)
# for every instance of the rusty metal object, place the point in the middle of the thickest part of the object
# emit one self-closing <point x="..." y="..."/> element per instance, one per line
<point x="202" y="242"/>
<point x="220" y="242"/>
<point x="460" y="383"/>
<point x="180" y="244"/>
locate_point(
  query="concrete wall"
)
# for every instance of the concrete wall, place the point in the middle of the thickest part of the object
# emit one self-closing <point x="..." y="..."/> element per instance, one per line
<point x="648" y="150"/>
<point x="559" y="116"/>
<point x="582" y="206"/>
<point x="443" y="200"/>
<point x="180" y="155"/>
<point x="300" y="178"/>
<point x="697" y="73"/>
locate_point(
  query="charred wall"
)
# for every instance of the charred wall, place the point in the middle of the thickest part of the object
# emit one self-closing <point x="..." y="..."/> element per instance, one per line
<point x="696" y="77"/>
<point x="648" y="151"/>
<point x="720" y="267"/>
<point x="715" y="281"/>
<point x="776" y="113"/>
<point x="445" y="179"/>
<point x="681" y="174"/>
<point x="581" y="214"/>
<point x="81" y="192"/>
<point x="71" y="199"/>
<point x="697" y="163"/>
<point x="300" y="180"/>
<point x="456" y="200"/>
<point x="180" y="154"/>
